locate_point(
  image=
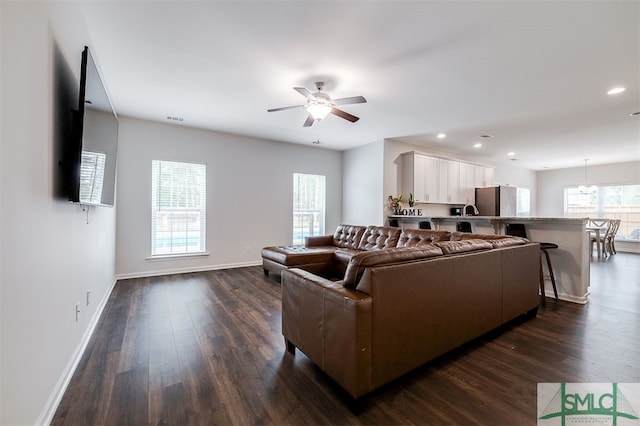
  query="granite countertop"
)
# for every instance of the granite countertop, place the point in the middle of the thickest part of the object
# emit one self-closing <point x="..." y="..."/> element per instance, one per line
<point x="500" y="218"/>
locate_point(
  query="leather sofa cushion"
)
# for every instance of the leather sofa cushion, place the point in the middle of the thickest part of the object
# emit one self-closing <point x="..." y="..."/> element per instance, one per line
<point x="464" y="246"/>
<point x="297" y="255"/>
<point x="421" y="237"/>
<point x="379" y="237"/>
<point x="348" y="236"/>
<point x="343" y="256"/>
<point x="360" y="261"/>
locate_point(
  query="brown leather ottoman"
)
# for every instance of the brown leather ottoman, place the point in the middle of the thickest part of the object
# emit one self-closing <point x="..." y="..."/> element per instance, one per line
<point x="313" y="259"/>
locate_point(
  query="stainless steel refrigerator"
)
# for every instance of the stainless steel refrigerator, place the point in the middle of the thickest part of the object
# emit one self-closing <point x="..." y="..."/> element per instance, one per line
<point x="497" y="201"/>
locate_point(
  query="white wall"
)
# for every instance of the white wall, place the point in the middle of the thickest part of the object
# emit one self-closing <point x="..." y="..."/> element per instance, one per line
<point x="249" y="193"/>
<point x="551" y="183"/>
<point x="50" y="256"/>
<point x="362" y="173"/>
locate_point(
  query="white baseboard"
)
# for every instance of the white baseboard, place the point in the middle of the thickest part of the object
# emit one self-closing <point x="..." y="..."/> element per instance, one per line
<point x="568" y="298"/>
<point x="186" y="270"/>
<point x="628" y="246"/>
<point x="46" y="416"/>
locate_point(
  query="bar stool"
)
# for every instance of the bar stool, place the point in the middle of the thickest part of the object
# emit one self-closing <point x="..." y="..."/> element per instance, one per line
<point x="463" y="227"/>
<point x="518" y="230"/>
<point x="424" y="225"/>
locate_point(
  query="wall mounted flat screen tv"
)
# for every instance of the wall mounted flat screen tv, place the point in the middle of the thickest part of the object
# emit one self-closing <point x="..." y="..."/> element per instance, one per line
<point x="92" y="159"/>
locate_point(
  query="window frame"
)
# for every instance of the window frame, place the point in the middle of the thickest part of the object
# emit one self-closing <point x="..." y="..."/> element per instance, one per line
<point x="601" y="208"/>
<point x="199" y="193"/>
<point x="320" y="211"/>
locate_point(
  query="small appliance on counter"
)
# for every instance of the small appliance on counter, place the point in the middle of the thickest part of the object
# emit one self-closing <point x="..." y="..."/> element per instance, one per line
<point x="455" y="211"/>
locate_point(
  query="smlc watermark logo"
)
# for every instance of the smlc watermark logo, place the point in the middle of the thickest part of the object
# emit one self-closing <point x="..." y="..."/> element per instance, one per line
<point x="616" y="404"/>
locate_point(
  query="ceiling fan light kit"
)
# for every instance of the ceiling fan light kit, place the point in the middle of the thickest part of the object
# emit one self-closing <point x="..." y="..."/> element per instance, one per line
<point x="320" y="104"/>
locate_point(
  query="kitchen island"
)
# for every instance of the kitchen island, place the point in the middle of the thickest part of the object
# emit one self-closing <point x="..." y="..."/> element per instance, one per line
<point x="571" y="260"/>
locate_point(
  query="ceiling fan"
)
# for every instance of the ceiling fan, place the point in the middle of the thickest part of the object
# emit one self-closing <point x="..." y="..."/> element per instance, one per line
<point x="320" y="104"/>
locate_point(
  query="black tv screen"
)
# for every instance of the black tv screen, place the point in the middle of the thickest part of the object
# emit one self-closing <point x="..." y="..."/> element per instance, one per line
<point x="93" y="165"/>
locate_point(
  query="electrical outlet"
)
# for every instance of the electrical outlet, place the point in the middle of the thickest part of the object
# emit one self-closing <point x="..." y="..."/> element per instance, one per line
<point x="88" y="297"/>
<point x="77" y="311"/>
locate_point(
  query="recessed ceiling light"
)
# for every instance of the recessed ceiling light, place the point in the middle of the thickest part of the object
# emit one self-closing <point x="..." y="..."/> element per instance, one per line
<point x="477" y="145"/>
<point x="511" y="154"/>
<point x="635" y="113"/>
<point x="441" y="135"/>
<point x="486" y="135"/>
<point x="616" y="90"/>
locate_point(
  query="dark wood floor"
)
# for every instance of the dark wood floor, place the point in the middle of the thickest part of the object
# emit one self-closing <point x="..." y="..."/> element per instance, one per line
<point x="206" y="348"/>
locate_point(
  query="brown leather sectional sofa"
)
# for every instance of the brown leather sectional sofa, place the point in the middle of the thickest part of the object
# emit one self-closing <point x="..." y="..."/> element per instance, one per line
<point x="369" y="304"/>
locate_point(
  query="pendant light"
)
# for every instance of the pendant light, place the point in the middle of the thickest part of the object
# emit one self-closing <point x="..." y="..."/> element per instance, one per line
<point x="585" y="188"/>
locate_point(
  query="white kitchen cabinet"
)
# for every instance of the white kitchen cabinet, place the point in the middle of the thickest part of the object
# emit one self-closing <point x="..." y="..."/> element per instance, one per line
<point x="442" y="180"/>
<point x="449" y="183"/>
<point x="467" y="183"/>
<point x="483" y="176"/>
<point x="420" y="177"/>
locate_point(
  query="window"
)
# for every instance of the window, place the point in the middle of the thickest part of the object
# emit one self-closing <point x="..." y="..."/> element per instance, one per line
<point x="308" y="206"/>
<point x="92" y="176"/>
<point x="178" y="208"/>
<point x="523" y="202"/>
<point x="607" y="202"/>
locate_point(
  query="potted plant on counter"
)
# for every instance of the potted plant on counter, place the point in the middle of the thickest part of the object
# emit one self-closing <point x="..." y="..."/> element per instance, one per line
<point x="395" y="203"/>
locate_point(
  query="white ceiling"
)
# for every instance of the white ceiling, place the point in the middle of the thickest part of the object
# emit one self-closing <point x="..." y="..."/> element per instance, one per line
<point x="533" y="74"/>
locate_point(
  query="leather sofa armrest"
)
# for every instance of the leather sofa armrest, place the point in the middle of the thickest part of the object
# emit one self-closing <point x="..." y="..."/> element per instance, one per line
<point x="331" y="324"/>
<point x="319" y="241"/>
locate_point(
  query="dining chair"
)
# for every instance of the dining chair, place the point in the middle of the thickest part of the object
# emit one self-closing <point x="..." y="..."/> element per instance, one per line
<point x="604" y="237"/>
<point x="610" y="239"/>
<point x="598" y="222"/>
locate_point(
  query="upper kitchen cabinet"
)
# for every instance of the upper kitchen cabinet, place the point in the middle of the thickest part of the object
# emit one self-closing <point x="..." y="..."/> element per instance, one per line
<point x="442" y="180"/>
<point x="467" y="183"/>
<point x="483" y="176"/>
<point x="449" y="183"/>
<point x="420" y="175"/>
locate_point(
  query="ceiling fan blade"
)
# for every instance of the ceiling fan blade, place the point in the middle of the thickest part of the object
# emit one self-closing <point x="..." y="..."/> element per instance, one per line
<point x="350" y="100"/>
<point x="309" y="121"/>
<point x="343" y="114"/>
<point x="304" y="92"/>
<point x="285" y="108"/>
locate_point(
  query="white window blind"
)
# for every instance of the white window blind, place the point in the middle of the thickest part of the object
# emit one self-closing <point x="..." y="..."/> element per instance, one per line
<point x="178" y="208"/>
<point x="308" y="206"/>
<point x="92" y="176"/>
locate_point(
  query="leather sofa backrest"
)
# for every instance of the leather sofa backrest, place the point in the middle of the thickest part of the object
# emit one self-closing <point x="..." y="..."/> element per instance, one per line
<point x="459" y="236"/>
<point x="348" y="236"/>
<point x="360" y="261"/>
<point x="464" y="246"/>
<point x="496" y="241"/>
<point x="507" y="242"/>
<point x="420" y="237"/>
<point x="379" y="237"/>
